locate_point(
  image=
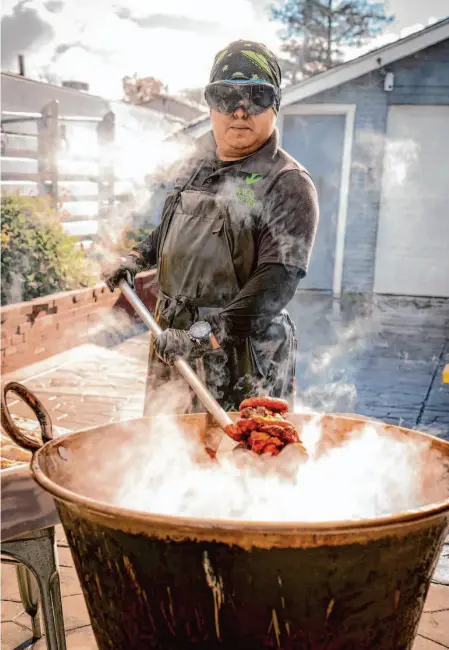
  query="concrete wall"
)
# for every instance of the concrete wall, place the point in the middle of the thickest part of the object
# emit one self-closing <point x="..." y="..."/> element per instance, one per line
<point x="419" y="79"/>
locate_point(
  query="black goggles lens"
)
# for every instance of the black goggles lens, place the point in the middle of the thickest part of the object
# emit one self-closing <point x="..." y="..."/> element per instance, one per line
<point x="253" y="98"/>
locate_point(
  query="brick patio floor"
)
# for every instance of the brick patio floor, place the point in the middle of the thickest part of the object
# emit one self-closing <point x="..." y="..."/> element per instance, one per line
<point x="382" y="359"/>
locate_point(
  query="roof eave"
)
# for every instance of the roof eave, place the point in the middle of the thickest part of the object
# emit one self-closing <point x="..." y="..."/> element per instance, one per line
<point x="367" y="63"/>
<point x="350" y="70"/>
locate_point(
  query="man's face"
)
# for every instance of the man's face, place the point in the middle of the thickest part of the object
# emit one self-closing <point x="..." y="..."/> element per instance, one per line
<point x="238" y="134"/>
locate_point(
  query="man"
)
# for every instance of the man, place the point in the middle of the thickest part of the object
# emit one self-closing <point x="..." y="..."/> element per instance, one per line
<point x="234" y="241"/>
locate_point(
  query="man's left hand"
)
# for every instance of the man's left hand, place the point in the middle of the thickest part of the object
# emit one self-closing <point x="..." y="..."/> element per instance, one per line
<point x="173" y="344"/>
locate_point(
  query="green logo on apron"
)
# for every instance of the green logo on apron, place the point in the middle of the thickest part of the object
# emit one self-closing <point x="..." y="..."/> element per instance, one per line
<point x="246" y="195"/>
<point x="253" y="179"/>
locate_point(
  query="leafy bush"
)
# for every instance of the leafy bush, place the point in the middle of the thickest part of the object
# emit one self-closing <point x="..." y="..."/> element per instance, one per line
<point x="132" y="236"/>
<point x="38" y="257"/>
<point x="124" y="230"/>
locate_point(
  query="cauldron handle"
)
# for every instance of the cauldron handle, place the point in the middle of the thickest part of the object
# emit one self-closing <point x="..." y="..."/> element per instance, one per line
<point x="38" y="409"/>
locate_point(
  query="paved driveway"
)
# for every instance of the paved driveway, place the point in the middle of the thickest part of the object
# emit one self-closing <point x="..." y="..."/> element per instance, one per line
<point x="382" y="358"/>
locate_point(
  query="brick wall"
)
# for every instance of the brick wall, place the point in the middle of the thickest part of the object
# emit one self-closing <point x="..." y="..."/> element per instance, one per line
<point x="37" y="329"/>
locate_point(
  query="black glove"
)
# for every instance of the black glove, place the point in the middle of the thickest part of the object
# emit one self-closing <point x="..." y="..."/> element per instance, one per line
<point x="125" y="271"/>
<point x="175" y="344"/>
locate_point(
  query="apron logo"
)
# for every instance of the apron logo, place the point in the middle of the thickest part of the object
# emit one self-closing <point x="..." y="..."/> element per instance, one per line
<point x="253" y="179"/>
<point x="246" y="195"/>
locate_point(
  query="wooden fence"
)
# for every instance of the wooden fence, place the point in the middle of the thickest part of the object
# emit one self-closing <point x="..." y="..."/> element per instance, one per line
<point x="68" y="158"/>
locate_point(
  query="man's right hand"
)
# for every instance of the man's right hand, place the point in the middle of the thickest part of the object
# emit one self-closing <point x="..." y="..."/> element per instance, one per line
<point x="126" y="270"/>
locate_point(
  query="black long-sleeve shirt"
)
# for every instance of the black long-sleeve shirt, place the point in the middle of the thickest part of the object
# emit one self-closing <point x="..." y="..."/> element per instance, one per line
<point x="269" y="289"/>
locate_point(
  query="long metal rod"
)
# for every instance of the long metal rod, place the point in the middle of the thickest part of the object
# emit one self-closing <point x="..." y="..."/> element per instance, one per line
<point x="184" y="368"/>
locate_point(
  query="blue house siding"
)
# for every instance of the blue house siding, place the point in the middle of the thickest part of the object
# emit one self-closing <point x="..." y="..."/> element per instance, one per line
<point x="419" y="79"/>
<point x="366" y="175"/>
<point x="423" y="78"/>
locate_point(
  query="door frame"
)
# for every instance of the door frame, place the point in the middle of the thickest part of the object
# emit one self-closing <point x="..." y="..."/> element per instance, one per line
<point x="348" y="110"/>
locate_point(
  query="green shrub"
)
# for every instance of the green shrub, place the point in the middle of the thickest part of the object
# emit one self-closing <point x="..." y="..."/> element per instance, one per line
<point x="116" y="238"/>
<point x="132" y="223"/>
<point x="37" y="257"/>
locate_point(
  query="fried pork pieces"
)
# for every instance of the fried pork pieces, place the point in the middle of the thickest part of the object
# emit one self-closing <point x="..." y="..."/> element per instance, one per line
<point x="263" y="427"/>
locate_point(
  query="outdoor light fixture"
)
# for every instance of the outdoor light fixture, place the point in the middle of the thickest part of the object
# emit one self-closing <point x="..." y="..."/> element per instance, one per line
<point x="389" y="82"/>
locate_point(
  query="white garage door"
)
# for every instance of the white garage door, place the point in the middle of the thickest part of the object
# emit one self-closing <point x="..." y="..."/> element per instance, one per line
<point x="412" y="256"/>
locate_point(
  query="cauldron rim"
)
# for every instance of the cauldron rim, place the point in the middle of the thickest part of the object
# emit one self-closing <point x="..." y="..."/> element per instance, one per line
<point x="110" y="513"/>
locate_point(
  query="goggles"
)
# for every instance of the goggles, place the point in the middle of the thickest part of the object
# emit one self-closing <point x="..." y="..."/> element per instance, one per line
<point x="229" y="95"/>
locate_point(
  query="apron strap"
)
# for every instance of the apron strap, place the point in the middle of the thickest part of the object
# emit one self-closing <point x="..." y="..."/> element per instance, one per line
<point x="167" y="216"/>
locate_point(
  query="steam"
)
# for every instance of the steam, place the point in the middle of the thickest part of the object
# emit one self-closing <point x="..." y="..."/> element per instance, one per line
<point x="373" y="473"/>
<point x="175" y="43"/>
<point x="142" y="158"/>
<point x="61" y="39"/>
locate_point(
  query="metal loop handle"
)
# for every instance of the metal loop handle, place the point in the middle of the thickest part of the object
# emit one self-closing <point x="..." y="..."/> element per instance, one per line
<point x="38" y="409"/>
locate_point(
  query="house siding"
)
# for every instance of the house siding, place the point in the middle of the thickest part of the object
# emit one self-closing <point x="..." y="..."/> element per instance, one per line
<point x="422" y="78"/>
<point x="366" y="175"/>
<point x="419" y="79"/>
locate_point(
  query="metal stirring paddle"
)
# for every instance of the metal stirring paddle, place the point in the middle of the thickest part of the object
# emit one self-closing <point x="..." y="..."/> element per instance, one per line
<point x="195" y="383"/>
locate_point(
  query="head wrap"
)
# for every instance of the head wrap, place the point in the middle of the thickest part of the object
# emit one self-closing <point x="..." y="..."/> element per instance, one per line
<point x="246" y="61"/>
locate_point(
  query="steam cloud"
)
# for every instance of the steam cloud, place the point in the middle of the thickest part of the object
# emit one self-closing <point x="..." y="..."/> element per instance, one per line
<point x="374" y="473"/>
<point x="61" y="39"/>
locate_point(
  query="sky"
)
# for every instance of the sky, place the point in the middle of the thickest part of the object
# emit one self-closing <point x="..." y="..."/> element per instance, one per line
<point x="100" y="41"/>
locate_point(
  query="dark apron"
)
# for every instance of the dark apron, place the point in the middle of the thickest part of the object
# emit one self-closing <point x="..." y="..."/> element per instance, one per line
<point x="197" y="276"/>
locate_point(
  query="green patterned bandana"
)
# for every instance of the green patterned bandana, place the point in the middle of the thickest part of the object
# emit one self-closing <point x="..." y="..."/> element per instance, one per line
<point x="247" y="61"/>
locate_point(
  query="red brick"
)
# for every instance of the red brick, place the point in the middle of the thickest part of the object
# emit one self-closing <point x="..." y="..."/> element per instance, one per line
<point x="63" y="294"/>
<point x="37" y="337"/>
<point x="39" y="315"/>
<point x="81" y="309"/>
<point x="63" y="303"/>
<point x="12" y="326"/>
<point x="85" y="295"/>
<point x="43" y="302"/>
<point x="100" y="290"/>
<point x="11" y="349"/>
<point x="71" y="315"/>
<point x="66" y="301"/>
<point x="65" y="325"/>
<point x="17" y="339"/>
<point x="24" y="327"/>
<point x="45" y="322"/>
<point x="9" y="311"/>
<point x="39" y="312"/>
<point x="107" y="297"/>
<point x="25" y="308"/>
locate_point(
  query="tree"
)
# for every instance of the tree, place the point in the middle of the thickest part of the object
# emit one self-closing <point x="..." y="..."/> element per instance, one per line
<point x="318" y="33"/>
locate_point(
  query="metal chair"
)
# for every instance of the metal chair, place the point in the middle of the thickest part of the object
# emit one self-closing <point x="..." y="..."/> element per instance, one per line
<point x="28" y="520"/>
<point x="38" y="576"/>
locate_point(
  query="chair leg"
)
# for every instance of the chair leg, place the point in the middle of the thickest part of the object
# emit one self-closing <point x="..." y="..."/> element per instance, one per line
<point x="39" y="556"/>
<point x="30" y="597"/>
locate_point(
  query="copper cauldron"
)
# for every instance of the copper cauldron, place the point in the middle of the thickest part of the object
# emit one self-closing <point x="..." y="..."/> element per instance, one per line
<point x="166" y="582"/>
